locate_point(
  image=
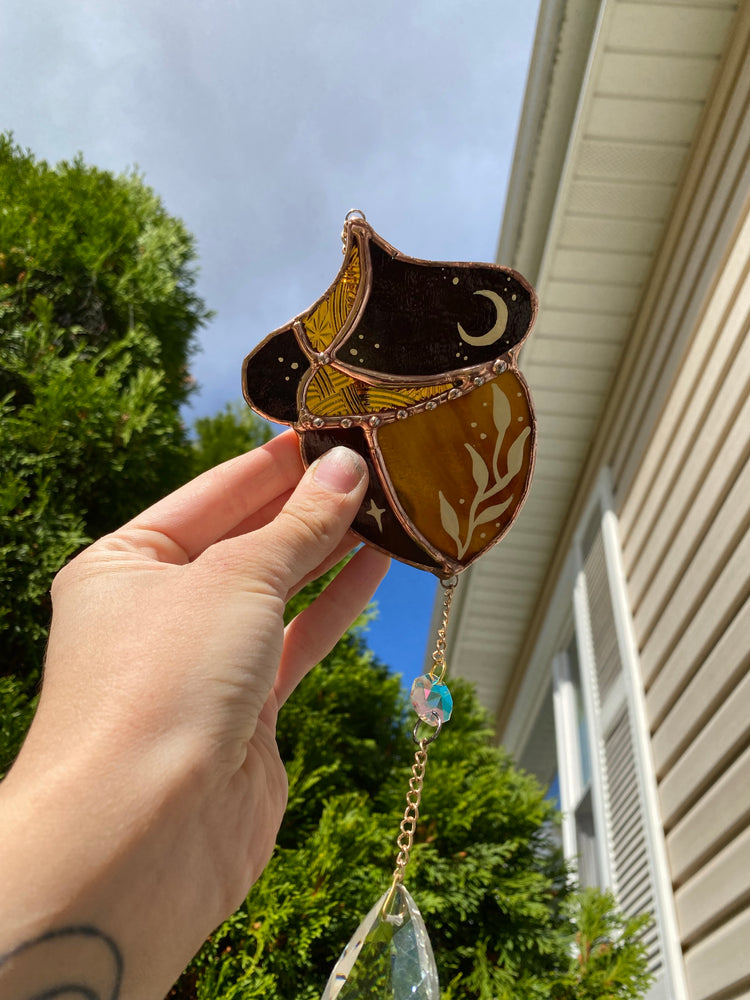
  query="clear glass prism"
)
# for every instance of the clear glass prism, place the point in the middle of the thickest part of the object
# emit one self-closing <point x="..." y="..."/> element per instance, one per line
<point x="430" y="698"/>
<point x="390" y="956"/>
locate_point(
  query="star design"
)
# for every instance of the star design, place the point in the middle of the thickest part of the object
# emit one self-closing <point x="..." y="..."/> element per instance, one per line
<point x="376" y="513"/>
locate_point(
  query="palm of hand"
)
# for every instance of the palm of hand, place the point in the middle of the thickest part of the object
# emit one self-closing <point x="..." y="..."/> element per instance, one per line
<point x="167" y="664"/>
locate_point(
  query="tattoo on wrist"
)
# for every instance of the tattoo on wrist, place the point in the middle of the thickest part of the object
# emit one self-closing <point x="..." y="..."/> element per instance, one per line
<point x="80" y="962"/>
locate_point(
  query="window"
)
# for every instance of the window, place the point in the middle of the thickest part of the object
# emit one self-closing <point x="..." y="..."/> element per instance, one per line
<point x="580" y="726"/>
<point x="573" y="751"/>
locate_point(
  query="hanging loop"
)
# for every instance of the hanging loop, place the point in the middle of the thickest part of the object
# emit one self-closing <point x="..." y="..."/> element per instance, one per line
<point x="426" y="740"/>
<point x="353" y="213"/>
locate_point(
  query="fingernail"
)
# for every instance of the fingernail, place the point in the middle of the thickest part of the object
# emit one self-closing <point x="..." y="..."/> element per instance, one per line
<point x="340" y="470"/>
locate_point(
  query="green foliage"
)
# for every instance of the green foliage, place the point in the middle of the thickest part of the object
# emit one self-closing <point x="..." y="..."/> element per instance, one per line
<point x="87" y="441"/>
<point x="16" y="711"/>
<point x="502" y="915"/>
<point x="232" y="431"/>
<point x="97" y="317"/>
<point x="103" y="252"/>
<point x="611" y="962"/>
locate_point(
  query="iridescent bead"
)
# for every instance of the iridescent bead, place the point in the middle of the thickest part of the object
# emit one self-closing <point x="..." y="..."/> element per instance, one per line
<point x="430" y="698"/>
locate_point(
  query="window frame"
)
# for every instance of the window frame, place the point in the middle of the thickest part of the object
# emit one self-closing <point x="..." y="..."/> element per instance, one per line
<point x="568" y="615"/>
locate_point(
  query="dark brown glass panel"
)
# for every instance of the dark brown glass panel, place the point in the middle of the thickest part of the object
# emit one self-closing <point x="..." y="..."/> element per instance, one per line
<point x="272" y="374"/>
<point x="409" y="324"/>
<point x="376" y="521"/>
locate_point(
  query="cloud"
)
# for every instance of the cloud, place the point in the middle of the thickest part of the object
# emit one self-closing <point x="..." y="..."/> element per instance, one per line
<point x="262" y="124"/>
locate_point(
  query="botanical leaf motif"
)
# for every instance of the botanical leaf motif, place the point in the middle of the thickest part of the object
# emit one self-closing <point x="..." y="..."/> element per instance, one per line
<point x="500" y="410"/>
<point x="515" y="453"/>
<point x="449" y="519"/>
<point x="478" y="469"/>
<point x="490" y="513"/>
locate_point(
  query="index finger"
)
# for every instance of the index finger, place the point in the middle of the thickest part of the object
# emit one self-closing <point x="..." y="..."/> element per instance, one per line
<point x="215" y="503"/>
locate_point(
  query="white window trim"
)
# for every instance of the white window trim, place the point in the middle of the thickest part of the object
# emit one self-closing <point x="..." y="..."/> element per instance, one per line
<point x="569" y="601"/>
<point x="656" y="846"/>
<point x="595" y="729"/>
<point x="568" y="754"/>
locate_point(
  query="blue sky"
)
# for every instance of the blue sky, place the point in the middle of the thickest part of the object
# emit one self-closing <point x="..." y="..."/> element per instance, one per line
<point x="261" y="125"/>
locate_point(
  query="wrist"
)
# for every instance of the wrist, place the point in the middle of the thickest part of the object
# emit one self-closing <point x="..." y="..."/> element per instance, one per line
<point x="84" y="842"/>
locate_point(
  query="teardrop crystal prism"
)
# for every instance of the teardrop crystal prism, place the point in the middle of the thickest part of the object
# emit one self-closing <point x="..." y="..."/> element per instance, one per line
<point x="390" y="956"/>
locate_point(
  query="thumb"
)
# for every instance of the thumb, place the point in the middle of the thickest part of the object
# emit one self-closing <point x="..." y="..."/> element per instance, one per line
<point x="314" y="519"/>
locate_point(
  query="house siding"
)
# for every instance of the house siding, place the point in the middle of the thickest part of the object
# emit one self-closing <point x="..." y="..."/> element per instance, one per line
<point x="679" y="450"/>
<point x="640" y="368"/>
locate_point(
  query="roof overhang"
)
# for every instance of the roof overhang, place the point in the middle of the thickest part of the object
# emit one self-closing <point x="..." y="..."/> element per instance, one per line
<point x="613" y="99"/>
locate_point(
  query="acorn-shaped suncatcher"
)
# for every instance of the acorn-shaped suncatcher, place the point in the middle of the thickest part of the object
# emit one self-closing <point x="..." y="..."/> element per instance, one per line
<point x="412" y="363"/>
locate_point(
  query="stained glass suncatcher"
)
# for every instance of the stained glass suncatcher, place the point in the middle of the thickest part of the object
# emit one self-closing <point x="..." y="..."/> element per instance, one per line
<point x="412" y="363"/>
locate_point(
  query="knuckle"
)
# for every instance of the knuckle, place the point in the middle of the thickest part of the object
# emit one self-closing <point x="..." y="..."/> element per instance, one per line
<point x="307" y="523"/>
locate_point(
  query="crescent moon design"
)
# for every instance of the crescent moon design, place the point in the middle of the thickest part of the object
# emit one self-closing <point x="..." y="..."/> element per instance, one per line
<point x="500" y="323"/>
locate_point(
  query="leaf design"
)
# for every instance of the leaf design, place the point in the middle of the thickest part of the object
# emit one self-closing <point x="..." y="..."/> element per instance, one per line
<point x="515" y="453"/>
<point x="490" y="513"/>
<point x="500" y="411"/>
<point x="449" y="519"/>
<point x="478" y="469"/>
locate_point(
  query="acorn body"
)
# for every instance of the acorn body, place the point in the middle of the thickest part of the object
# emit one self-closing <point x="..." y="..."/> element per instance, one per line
<point x="413" y="364"/>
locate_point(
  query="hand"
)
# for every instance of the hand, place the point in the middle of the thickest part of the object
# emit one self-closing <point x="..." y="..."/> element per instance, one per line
<point x="148" y="795"/>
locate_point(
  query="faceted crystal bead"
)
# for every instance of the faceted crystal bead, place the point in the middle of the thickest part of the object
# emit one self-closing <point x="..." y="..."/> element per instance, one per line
<point x="389" y="958"/>
<point x="429" y="698"/>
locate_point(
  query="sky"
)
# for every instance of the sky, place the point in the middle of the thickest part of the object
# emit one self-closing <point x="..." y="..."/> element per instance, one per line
<point x="261" y="125"/>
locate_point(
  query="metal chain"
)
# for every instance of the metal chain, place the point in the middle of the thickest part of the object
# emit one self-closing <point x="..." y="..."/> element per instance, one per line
<point x="408" y="827"/>
<point x="438" y="670"/>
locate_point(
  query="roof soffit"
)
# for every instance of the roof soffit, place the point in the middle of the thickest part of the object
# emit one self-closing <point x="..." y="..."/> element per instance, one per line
<point x="597" y="164"/>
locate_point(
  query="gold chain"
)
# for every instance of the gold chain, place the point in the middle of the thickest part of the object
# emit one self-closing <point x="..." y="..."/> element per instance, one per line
<point x="408" y="827"/>
<point x="439" y="666"/>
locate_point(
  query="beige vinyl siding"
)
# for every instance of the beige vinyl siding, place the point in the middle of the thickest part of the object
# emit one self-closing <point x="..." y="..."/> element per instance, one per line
<point x="638" y="239"/>
<point x="608" y="128"/>
<point x="680" y="455"/>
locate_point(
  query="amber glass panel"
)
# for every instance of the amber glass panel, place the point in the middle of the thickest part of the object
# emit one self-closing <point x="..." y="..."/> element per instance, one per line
<point x="331" y="392"/>
<point x="461" y="471"/>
